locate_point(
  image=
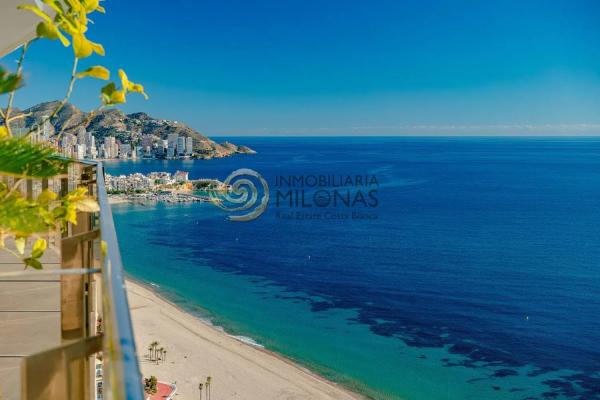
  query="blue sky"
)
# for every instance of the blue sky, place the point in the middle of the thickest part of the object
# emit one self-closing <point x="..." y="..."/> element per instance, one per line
<point x="239" y="67"/>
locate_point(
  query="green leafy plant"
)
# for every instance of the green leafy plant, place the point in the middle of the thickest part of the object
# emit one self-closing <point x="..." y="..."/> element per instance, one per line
<point x="9" y="82"/>
<point x="23" y="219"/>
<point x="150" y="385"/>
<point x="22" y="160"/>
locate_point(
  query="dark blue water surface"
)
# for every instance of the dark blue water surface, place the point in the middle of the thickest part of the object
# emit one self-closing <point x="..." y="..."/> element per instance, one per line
<point x="476" y="276"/>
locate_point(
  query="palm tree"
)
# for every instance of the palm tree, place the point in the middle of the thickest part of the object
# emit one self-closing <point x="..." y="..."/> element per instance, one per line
<point x="208" y="381"/>
<point x="154" y="347"/>
<point x="200" y="385"/>
<point x="165" y="356"/>
<point x="161" y="353"/>
<point x="150" y="352"/>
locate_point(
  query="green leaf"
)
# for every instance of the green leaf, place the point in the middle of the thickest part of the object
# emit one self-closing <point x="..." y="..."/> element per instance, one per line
<point x="47" y="30"/>
<point x="112" y="96"/>
<point x="21" y="217"/>
<point x="109" y="89"/>
<point x="118" y="97"/>
<point x="59" y="212"/>
<point x="69" y="24"/>
<point x="129" y="86"/>
<point x="20" y="158"/>
<point x="98" y="48"/>
<point x="20" y="244"/>
<point x="96" y="71"/>
<point x="36" y="10"/>
<point x="38" y="248"/>
<point x="47" y="216"/>
<point x="8" y="81"/>
<point x="91" y="5"/>
<point x="46" y="197"/>
<point x="56" y="6"/>
<point x="50" y="31"/>
<point x="75" y="5"/>
<point x="81" y="46"/>
<point x="71" y="215"/>
<point x="33" y="263"/>
<point x="136" y="87"/>
<point x="124" y="79"/>
<point x="75" y="195"/>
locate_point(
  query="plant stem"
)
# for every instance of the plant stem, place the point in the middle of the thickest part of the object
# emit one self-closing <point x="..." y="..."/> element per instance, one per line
<point x="85" y="123"/>
<point x="15" y="187"/>
<point x="65" y="99"/>
<point x="14" y="253"/>
<point x="69" y="90"/>
<point x="11" y="96"/>
<point x="19" y="116"/>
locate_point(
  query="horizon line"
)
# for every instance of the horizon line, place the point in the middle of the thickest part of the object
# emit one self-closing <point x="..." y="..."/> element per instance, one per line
<point x="565" y="136"/>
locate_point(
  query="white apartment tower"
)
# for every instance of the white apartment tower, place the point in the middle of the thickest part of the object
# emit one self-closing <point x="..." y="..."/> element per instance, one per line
<point x="189" y="145"/>
<point x="181" y="145"/>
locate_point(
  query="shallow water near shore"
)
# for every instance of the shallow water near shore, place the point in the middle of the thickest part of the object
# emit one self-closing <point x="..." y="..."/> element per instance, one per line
<point x="477" y="280"/>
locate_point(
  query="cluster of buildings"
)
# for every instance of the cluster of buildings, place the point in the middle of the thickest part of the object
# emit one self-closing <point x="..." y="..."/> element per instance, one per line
<point x="141" y="182"/>
<point x="177" y="146"/>
<point x="82" y="145"/>
<point x="174" y="146"/>
<point x="79" y="146"/>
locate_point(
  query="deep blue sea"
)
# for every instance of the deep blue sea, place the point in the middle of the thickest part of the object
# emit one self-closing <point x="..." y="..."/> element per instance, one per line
<point x="475" y="276"/>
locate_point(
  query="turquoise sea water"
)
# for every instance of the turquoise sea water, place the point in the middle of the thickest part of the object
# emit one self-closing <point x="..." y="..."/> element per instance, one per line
<point x="477" y="278"/>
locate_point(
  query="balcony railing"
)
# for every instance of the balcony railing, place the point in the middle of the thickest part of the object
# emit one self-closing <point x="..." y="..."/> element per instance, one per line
<point x="93" y="356"/>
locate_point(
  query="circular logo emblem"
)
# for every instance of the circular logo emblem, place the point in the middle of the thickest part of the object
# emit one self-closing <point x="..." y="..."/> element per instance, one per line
<point x="243" y="188"/>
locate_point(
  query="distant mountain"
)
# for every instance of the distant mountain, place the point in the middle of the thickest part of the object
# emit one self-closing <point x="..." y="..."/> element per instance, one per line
<point x="128" y="128"/>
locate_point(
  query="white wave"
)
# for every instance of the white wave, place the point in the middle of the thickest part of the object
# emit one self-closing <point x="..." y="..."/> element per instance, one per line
<point x="247" y="340"/>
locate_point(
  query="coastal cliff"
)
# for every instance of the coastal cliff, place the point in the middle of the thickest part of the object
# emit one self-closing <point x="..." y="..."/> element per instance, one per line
<point x="127" y="128"/>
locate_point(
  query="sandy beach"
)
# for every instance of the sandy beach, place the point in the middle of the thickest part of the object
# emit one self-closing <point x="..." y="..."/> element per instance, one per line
<point x="117" y="200"/>
<point x="196" y="350"/>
